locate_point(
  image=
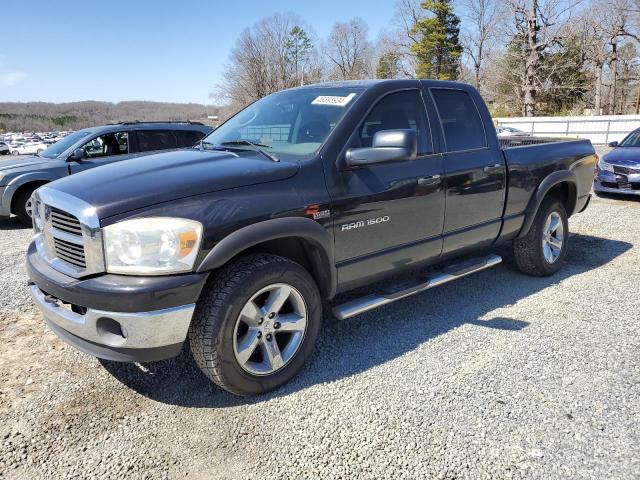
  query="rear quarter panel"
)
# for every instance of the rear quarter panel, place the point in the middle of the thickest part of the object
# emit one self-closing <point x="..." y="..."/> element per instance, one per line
<point x="529" y="165"/>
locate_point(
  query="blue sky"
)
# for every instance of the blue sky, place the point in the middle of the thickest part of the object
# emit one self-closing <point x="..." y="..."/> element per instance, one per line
<point x="117" y="50"/>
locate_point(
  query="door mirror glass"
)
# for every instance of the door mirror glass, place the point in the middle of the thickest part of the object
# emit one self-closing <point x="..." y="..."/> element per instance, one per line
<point x="387" y="146"/>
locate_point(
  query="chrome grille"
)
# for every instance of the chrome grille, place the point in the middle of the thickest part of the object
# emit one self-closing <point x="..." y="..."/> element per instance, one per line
<point x="67" y="233"/>
<point x="70" y="252"/>
<point x="65" y="222"/>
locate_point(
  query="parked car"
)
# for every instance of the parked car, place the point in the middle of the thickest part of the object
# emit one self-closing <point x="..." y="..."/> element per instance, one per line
<point x="619" y="170"/>
<point x="86" y="149"/>
<point x="510" y="132"/>
<point x="234" y="247"/>
<point x="4" y="149"/>
<point x="28" y="148"/>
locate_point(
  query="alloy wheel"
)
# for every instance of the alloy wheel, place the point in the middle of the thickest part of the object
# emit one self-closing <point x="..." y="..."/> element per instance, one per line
<point x="553" y="237"/>
<point x="270" y="329"/>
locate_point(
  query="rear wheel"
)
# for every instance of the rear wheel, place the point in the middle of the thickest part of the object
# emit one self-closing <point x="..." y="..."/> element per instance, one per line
<point x="542" y="251"/>
<point x="23" y="206"/>
<point x="256" y="324"/>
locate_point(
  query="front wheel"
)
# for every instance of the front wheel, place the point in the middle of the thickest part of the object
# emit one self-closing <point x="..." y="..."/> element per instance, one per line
<point x="24" y="207"/>
<point x="542" y="251"/>
<point x="256" y="324"/>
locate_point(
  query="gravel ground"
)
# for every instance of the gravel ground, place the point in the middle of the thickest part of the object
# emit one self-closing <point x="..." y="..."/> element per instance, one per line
<point x="497" y="375"/>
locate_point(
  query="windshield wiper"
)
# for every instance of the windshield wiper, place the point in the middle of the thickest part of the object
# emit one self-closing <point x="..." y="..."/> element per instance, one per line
<point x="259" y="147"/>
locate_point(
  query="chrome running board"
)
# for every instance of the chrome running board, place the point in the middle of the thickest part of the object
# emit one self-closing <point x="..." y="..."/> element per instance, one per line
<point x="453" y="272"/>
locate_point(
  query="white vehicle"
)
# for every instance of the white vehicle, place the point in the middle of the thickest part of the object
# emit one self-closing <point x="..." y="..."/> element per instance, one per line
<point x="29" y="148"/>
<point x="510" y="132"/>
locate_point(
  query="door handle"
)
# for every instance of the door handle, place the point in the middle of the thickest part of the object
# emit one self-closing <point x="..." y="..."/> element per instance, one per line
<point x="497" y="168"/>
<point x="428" y="181"/>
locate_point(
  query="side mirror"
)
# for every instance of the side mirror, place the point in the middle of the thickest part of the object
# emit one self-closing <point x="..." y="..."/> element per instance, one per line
<point x="77" y="155"/>
<point x="388" y="146"/>
<point x="613" y="144"/>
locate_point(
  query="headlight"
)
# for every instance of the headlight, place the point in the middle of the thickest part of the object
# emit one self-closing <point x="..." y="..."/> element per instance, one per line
<point x="152" y="246"/>
<point x="602" y="165"/>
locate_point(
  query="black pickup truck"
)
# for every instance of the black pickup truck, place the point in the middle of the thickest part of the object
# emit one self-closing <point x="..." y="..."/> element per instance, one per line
<point x="235" y="246"/>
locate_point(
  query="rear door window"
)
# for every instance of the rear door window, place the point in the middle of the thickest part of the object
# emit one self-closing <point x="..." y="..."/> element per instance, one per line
<point x="149" y="140"/>
<point x="461" y="122"/>
<point x="188" y="138"/>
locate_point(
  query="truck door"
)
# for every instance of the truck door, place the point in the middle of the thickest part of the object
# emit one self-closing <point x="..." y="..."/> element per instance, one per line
<point x="388" y="217"/>
<point x="475" y="174"/>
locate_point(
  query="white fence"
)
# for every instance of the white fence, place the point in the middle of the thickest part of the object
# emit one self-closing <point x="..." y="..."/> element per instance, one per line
<point x="600" y="130"/>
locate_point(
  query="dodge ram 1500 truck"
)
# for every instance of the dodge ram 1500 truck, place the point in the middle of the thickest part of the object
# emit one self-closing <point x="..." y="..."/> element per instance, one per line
<point x="233" y="247"/>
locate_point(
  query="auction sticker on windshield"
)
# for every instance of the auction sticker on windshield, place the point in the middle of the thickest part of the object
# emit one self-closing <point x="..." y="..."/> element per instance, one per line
<point x="334" y="100"/>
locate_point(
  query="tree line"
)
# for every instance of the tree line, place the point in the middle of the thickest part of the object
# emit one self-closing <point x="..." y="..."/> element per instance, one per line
<point x="527" y="57"/>
<point x="45" y="117"/>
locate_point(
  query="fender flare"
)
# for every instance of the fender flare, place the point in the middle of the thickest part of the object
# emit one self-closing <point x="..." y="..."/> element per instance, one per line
<point x="16" y="183"/>
<point x="299" y="227"/>
<point x="550" y="181"/>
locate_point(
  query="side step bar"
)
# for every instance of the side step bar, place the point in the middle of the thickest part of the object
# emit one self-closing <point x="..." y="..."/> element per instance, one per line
<point x="453" y="272"/>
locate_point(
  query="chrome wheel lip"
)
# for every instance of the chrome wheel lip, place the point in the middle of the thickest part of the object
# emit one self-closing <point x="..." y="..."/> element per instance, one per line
<point x="553" y="238"/>
<point x="263" y="334"/>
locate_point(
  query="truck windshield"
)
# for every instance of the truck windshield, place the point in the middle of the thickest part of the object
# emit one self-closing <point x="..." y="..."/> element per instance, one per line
<point x="294" y="122"/>
<point x="60" y="146"/>
<point x="633" y="140"/>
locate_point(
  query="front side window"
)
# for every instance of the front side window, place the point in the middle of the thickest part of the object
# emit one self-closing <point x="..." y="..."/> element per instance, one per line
<point x="149" y="140"/>
<point x="107" y="145"/>
<point x="398" y="111"/>
<point x="461" y="123"/>
<point x="294" y="122"/>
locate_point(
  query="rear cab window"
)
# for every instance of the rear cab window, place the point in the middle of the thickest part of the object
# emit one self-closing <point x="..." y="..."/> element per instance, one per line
<point x="461" y="123"/>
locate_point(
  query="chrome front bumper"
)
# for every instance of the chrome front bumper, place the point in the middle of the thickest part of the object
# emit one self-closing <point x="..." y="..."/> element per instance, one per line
<point x="116" y="332"/>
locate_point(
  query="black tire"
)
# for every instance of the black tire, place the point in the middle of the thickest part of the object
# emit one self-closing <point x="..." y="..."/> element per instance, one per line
<point x="15" y="152"/>
<point x="211" y="334"/>
<point x="20" y="206"/>
<point x="528" y="250"/>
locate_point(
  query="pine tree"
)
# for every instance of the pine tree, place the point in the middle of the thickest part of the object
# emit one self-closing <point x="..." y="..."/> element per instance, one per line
<point x="438" y="48"/>
<point x="298" y="46"/>
<point x="388" y="65"/>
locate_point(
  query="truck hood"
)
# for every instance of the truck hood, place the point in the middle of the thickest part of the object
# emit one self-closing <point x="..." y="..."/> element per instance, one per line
<point x="626" y="156"/>
<point x="140" y="182"/>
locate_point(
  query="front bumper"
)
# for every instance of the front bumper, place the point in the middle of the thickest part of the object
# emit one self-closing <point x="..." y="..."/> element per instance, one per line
<point x="127" y="337"/>
<point x="608" y="182"/>
<point x="116" y="317"/>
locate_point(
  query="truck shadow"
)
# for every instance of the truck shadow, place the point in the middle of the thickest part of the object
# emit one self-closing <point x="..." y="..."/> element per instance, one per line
<point x="347" y="348"/>
<point x="11" y="224"/>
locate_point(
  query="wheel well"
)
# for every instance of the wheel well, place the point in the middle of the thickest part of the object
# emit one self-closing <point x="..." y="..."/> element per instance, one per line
<point x="303" y="252"/>
<point x="566" y="193"/>
<point x="27" y="186"/>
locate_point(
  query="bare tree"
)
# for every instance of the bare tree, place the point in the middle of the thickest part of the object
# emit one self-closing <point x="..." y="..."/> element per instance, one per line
<point x="480" y="32"/>
<point x="265" y="59"/>
<point x="538" y="24"/>
<point x="605" y="24"/>
<point x="349" y="51"/>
